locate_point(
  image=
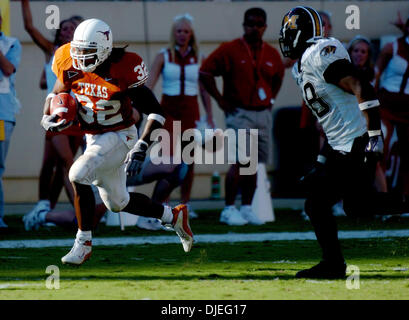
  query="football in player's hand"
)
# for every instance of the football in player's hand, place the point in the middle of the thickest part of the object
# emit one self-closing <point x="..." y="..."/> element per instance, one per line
<point x="65" y="106"/>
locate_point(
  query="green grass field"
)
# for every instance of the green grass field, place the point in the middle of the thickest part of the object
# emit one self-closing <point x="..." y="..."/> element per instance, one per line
<point x="219" y="271"/>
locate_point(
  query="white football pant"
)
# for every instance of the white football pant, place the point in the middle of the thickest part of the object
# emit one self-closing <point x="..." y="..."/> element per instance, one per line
<point x="102" y="165"/>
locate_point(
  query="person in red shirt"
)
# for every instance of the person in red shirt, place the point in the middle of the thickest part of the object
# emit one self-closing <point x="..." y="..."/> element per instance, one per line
<point x="252" y="73"/>
<point x="108" y="83"/>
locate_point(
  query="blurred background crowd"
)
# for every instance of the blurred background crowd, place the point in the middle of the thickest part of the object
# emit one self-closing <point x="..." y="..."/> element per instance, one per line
<point x="180" y="41"/>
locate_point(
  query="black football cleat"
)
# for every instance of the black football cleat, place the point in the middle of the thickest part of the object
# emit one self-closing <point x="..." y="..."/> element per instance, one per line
<point x="324" y="270"/>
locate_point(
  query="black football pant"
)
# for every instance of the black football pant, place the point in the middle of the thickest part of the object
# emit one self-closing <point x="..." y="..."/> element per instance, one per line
<point x="347" y="176"/>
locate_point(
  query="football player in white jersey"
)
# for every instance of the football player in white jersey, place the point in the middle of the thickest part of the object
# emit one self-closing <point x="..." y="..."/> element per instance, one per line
<point x="347" y="109"/>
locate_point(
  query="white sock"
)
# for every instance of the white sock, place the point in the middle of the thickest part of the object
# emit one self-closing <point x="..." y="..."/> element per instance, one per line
<point x="230" y="207"/>
<point x="246" y="206"/>
<point x="83" y="236"/>
<point x="167" y="216"/>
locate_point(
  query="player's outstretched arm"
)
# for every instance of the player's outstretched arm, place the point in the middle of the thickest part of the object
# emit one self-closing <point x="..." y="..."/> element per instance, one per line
<point x="366" y="96"/>
<point x="369" y="105"/>
<point x="145" y="102"/>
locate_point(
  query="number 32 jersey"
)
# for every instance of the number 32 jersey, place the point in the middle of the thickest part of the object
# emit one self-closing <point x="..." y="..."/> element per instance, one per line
<point x="336" y="110"/>
<point x="103" y="104"/>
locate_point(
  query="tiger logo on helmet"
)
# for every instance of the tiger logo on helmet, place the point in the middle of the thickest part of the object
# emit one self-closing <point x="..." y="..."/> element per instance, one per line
<point x="300" y="27"/>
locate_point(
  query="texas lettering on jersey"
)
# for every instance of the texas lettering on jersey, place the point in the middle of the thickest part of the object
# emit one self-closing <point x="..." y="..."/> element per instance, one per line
<point x="91" y="89"/>
<point x="103" y="106"/>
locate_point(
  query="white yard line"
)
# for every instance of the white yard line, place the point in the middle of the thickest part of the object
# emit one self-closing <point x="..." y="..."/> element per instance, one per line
<point x="204" y="238"/>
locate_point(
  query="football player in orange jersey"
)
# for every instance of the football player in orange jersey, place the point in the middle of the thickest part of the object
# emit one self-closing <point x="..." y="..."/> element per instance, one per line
<point x="106" y="82"/>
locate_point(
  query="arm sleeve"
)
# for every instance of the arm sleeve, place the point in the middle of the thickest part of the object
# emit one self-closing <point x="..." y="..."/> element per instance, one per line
<point x="337" y="70"/>
<point x="14" y="54"/>
<point x="330" y="61"/>
<point x="138" y="73"/>
<point x="145" y="101"/>
<point x="340" y="69"/>
<point x="60" y="58"/>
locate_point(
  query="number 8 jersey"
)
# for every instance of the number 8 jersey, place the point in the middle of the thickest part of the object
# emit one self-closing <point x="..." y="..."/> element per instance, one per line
<point x="336" y="110"/>
<point x="103" y="104"/>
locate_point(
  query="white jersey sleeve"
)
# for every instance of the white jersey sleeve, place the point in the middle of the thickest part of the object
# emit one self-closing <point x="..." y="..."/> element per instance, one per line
<point x="336" y="110"/>
<point x="326" y="52"/>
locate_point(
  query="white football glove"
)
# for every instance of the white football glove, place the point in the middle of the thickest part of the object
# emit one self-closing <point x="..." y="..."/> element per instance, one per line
<point x="49" y="123"/>
<point x="135" y="158"/>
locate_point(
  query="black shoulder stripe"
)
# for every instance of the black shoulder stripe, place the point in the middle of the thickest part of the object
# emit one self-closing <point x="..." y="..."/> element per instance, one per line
<point x="337" y="70"/>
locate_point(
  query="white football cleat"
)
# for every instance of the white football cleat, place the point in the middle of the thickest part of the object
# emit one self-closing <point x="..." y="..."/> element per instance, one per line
<point x="180" y="224"/>
<point x="80" y="252"/>
<point x="149" y="223"/>
<point x="231" y="216"/>
<point x="248" y="214"/>
<point x="32" y="220"/>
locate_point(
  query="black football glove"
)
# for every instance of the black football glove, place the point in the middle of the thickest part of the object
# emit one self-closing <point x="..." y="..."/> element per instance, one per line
<point x="49" y="123"/>
<point x="135" y="158"/>
<point x="375" y="143"/>
<point x="315" y="172"/>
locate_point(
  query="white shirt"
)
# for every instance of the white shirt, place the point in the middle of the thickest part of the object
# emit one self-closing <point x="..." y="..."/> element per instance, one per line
<point x="336" y="110"/>
<point x="172" y="77"/>
<point x="392" y="77"/>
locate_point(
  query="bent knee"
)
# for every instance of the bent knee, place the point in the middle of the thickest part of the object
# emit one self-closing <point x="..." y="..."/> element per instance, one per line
<point x="116" y="205"/>
<point x="83" y="170"/>
<point x="79" y="172"/>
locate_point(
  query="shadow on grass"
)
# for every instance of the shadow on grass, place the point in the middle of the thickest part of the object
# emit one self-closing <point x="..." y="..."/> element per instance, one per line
<point x="275" y="274"/>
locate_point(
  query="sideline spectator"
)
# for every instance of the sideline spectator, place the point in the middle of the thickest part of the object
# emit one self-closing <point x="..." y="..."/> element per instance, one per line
<point x="10" y="55"/>
<point x="59" y="148"/>
<point x="360" y="52"/>
<point x="179" y="66"/>
<point x="252" y="73"/>
<point x="393" y="65"/>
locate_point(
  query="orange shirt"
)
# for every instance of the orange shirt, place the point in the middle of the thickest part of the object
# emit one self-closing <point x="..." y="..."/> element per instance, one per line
<point x="247" y="81"/>
<point x="103" y="104"/>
